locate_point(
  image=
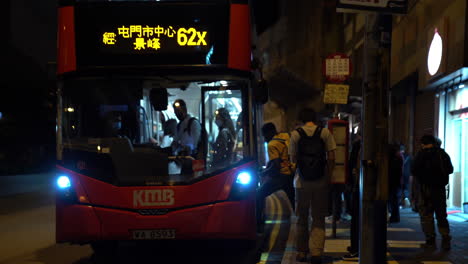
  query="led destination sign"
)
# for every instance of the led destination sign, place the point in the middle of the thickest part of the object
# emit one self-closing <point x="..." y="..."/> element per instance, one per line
<point x="140" y="34"/>
<point x="141" y="38"/>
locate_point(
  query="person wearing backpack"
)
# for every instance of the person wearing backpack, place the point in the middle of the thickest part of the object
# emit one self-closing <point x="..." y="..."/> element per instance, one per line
<point x="312" y="148"/>
<point x="188" y="134"/>
<point x="431" y="168"/>
<point x="278" y="174"/>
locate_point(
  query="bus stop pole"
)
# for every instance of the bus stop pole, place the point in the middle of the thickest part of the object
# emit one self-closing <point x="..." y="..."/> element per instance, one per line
<point x="372" y="248"/>
<point x="334" y="209"/>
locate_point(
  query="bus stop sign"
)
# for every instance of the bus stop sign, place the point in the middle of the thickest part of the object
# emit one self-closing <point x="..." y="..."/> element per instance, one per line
<point x="337" y="68"/>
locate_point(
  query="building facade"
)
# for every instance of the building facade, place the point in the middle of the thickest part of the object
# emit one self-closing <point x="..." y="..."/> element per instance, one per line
<point x="292" y="51"/>
<point x="429" y="77"/>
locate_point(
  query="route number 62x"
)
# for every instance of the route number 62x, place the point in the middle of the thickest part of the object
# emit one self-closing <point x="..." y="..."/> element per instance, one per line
<point x="191" y="37"/>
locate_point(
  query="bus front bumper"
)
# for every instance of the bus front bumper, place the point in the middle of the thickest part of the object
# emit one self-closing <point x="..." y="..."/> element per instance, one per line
<point x="77" y="223"/>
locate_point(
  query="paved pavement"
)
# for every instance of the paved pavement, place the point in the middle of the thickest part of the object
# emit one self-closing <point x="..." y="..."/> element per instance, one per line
<point x="404" y="238"/>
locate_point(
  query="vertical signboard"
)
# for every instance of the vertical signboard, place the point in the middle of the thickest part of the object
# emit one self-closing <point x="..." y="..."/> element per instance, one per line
<point x="340" y="131"/>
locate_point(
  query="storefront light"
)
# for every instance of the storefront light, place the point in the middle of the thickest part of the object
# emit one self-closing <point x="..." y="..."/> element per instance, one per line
<point x="461" y="86"/>
<point x="434" y="57"/>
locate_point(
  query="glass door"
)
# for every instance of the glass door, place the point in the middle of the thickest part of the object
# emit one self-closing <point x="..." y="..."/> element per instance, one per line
<point x="224" y="123"/>
<point x="464" y="158"/>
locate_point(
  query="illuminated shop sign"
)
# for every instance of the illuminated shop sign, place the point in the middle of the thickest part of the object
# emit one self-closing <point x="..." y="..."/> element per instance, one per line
<point x="139" y="37"/>
<point x="434" y="58"/>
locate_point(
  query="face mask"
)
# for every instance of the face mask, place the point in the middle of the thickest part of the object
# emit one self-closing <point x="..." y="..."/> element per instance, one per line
<point x="219" y="123"/>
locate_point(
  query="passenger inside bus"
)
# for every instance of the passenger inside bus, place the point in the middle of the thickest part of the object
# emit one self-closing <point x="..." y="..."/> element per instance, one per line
<point x="224" y="145"/>
<point x="188" y="131"/>
<point x="99" y="114"/>
<point x="169" y="132"/>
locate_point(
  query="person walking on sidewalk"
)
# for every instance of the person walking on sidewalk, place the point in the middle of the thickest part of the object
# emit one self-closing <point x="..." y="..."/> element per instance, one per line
<point x="432" y="167"/>
<point x="312" y="148"/>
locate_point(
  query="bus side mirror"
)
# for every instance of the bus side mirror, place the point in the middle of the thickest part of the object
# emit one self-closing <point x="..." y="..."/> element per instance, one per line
<point x="260" y="91"/>
<point x="158" y="99"/>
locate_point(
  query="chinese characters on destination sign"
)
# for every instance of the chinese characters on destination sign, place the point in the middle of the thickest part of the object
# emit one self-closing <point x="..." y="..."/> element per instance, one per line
<point x="149" y="38"/>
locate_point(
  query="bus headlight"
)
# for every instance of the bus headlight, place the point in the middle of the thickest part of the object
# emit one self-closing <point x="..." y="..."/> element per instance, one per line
<point x="63" y="182"/>
<point x="244" y="186"/>
<point x="244" y="178"/>
<point x="65" y="191"/>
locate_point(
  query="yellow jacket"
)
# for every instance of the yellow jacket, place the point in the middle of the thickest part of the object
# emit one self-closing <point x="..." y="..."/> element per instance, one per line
<point x="278" y="148"/>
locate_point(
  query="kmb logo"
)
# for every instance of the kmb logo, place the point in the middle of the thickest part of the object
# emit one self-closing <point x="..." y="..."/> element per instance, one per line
<point x="153" y="197"/>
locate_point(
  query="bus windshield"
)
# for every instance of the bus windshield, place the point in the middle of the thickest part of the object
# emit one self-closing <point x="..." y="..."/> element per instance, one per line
<point x="134" y="132"/>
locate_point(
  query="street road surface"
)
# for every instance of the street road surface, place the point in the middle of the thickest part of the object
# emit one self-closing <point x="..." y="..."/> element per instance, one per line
<point x="27" y="235"/>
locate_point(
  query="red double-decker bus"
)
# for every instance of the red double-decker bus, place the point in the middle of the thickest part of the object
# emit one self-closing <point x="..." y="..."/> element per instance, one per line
<point x="122" y="68"/>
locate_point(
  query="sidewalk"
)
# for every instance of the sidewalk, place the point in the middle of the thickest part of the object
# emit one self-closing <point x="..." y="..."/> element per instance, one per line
<point x="403" y="239"/>
<point x="406" y="236"/>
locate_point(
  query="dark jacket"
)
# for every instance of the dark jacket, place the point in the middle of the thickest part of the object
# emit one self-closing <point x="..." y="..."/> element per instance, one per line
<point x="432" y="166"/>
<point x="395" y="170"/>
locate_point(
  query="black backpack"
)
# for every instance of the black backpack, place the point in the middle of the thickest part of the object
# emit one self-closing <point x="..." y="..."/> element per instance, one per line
<point x="201" y="150"/>
<point x="435" y="168"/>
<point x="311" y="156"/>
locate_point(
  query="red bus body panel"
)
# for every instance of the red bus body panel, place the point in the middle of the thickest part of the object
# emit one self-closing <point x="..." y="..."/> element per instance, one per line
<point x="107" y="212"/>
<point x="239" y="38"/>
<point x="66" y="57"/>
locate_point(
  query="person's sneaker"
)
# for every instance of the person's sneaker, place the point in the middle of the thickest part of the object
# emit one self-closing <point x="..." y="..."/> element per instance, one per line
<point x="301" y="257"/>
<point x="351" y="256"/>
<point x="346" y="217"/>
<point x="446" y="243"/>
<point x="430" y="243"/>
<point x="316" y="260"/>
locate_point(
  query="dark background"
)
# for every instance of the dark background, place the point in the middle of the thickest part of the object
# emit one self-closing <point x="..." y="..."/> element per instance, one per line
<point x="27" y="86"/>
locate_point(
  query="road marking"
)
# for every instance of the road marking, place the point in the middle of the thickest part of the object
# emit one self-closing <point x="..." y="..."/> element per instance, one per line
<point x="396" y="229"/>
<point x="290" y="252"/>
<point x="404" y="244"/>
<point x="276" y="227"/>
<point x="436" y="262"/>
<point x="276" y="221"/>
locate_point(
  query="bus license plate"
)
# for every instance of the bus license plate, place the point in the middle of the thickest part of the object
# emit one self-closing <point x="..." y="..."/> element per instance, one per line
<point x="154" y="234"/>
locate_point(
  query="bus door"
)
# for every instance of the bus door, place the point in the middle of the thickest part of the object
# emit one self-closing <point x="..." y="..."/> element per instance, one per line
<point x="224" y="111"/>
